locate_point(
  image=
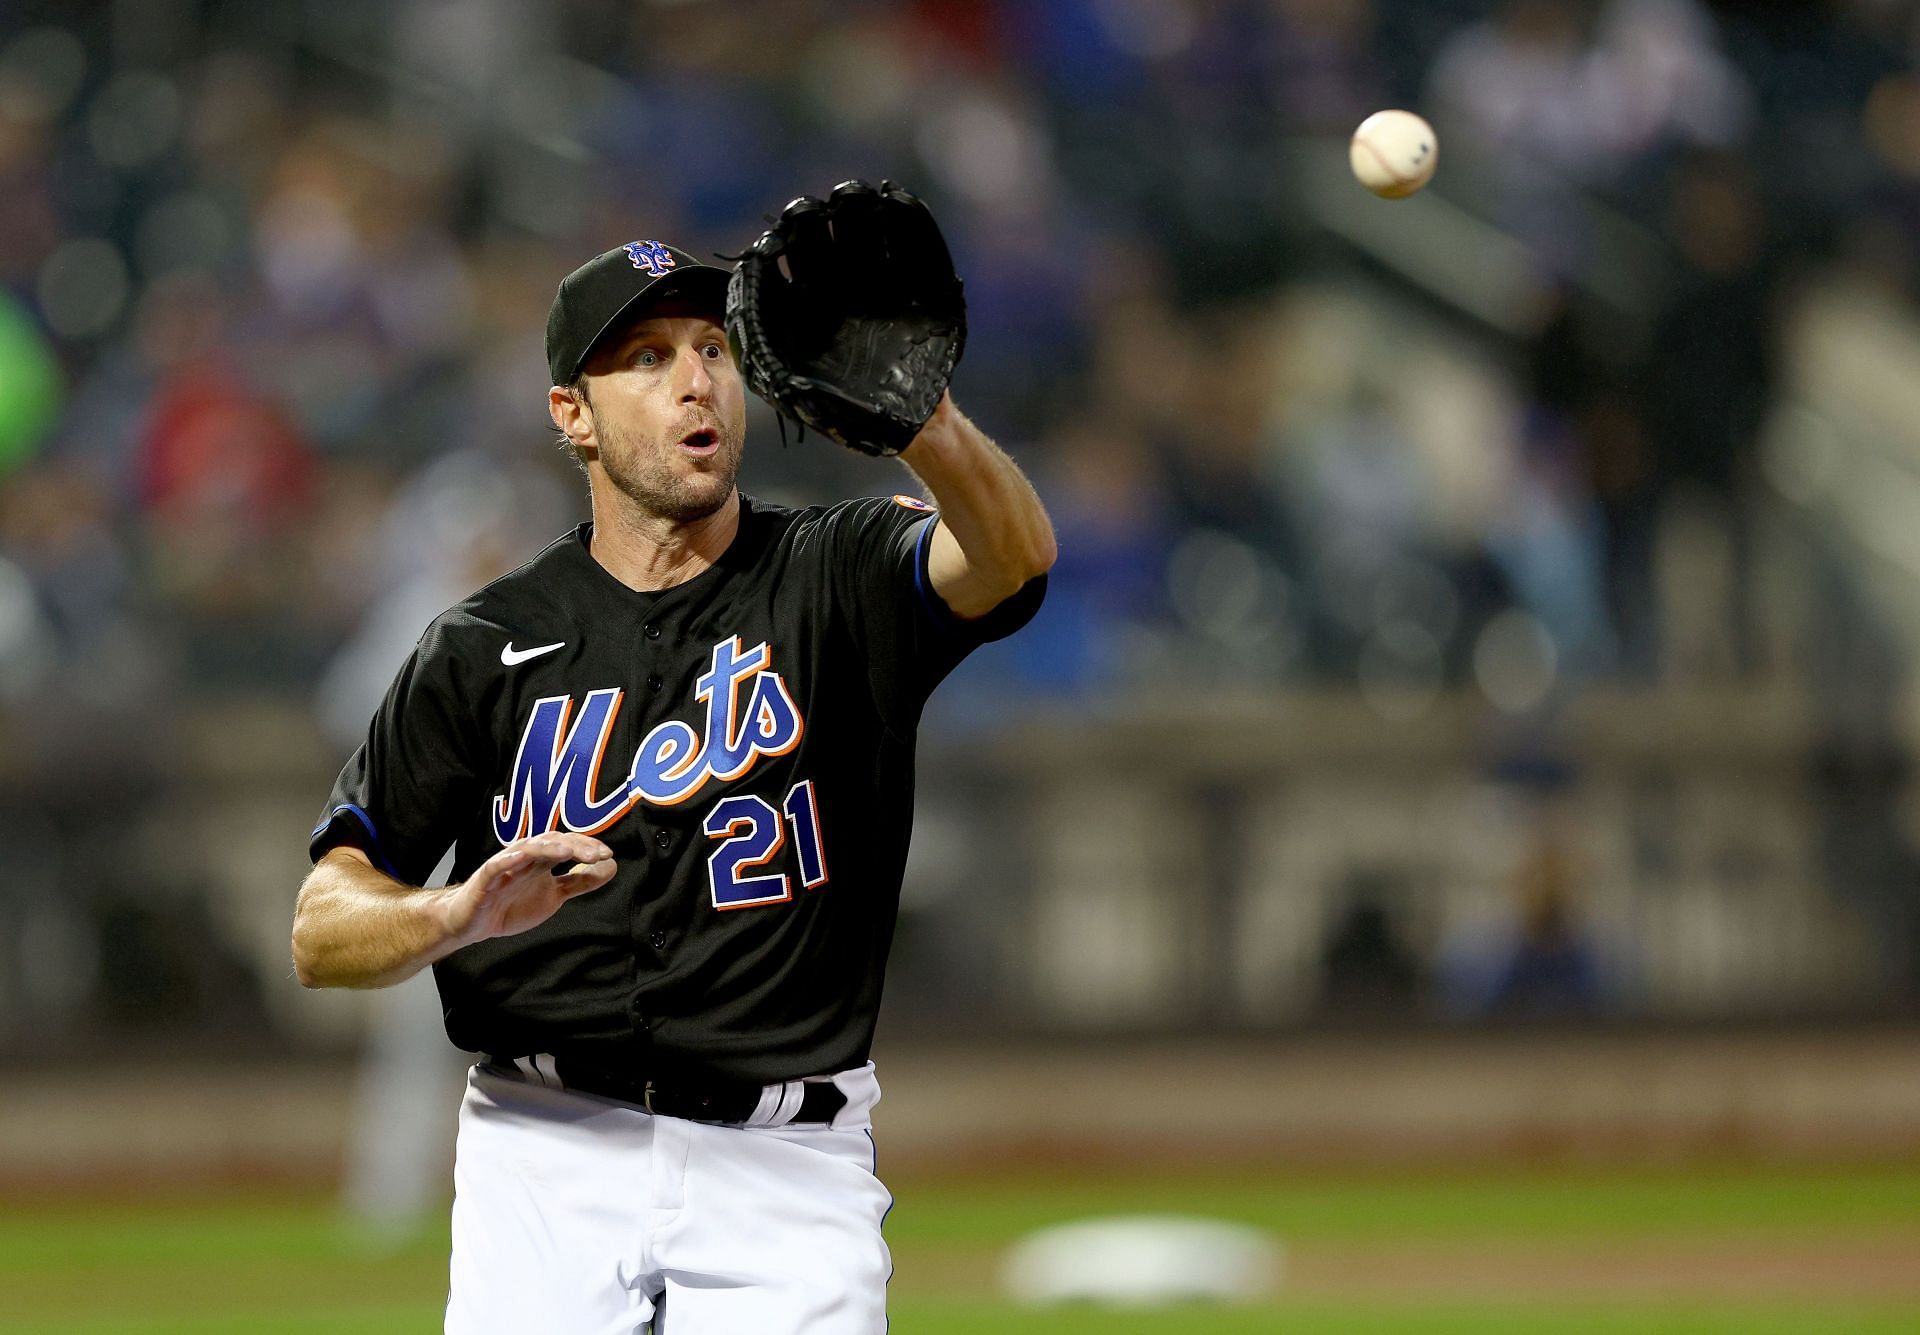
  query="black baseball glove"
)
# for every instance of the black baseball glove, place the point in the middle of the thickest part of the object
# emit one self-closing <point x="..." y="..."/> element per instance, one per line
<point x="856" y="335"/>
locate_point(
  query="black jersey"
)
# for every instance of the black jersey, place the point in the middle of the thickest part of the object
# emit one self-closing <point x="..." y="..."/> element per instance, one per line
<point x="744" y="742"/>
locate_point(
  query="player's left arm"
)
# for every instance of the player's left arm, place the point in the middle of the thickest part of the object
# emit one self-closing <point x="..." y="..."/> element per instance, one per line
<point x="993" y="533"/>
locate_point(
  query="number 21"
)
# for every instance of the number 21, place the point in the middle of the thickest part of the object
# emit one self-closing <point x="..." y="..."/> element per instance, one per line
<point x="752" y="835"/>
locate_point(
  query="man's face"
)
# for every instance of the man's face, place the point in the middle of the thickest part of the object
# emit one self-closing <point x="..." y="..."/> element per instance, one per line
<point x="667" y="413"/>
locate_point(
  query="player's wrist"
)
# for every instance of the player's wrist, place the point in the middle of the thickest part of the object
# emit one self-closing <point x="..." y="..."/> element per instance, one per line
<point x="448" y="917"/>
<point x="943" y="438"/>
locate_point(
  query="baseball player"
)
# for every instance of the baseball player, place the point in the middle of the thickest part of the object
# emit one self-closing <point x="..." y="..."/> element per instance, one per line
<point x="673" y="755"/>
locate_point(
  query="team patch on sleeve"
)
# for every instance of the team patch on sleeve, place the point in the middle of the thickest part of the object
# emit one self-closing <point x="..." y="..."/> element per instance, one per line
<point x="913" y="503"/>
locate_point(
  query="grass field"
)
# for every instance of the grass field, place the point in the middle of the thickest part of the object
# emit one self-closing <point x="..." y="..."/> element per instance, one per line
<point x="1589" y="1252"/>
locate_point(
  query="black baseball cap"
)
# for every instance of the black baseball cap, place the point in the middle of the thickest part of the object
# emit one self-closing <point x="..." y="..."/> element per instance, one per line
<point x="601" y="293"/>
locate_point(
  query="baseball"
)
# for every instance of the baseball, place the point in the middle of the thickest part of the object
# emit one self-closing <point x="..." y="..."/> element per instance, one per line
<point x="1393" y="153"/>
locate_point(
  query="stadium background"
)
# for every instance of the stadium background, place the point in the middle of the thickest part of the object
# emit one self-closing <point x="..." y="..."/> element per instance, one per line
<point x="1455" y="810"/>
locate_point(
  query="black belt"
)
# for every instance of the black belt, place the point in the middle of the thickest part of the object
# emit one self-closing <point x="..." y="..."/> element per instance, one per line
<point x="693" y="1100"/>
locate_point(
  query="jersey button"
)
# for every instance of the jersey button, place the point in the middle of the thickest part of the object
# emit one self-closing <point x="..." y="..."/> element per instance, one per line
<point x="652" y="630"/>
<point x="658" y="940"/>
<point x="663" y="840"/>
<point x="654" y="683"/>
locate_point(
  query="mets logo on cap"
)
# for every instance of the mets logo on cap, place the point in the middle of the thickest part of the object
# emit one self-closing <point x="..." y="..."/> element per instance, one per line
<point x="655" y="258"/>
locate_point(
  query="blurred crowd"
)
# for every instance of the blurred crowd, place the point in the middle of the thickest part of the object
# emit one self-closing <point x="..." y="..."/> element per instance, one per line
<point x="275" y="276"/>
<point x="273" y="280"/>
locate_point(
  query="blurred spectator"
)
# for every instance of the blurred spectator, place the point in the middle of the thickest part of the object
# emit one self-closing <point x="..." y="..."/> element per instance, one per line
<point x="1107" y="603"/>
<point x="1711" y="368"/>
<point x="1672" y="82"/>
<point x="1525" y="83"/>
<point x="1547" y="966"/>
<point x="463" y="521"/>
<point x="40" y="71"/>
<point x="174" y="967"/>
<point x="1587" y="95"/>
<point x="1320" y="56"/>
<point x="30" y="388"/>
<point x="1366" y="970"/>
<point x="1549" y="544"/>
<point x="56" y="522"/>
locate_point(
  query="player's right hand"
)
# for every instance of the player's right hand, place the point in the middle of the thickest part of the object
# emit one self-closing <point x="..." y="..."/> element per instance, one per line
<point x="516" y="888"/>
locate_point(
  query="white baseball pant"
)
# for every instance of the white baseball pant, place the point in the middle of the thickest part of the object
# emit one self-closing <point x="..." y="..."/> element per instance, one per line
<point x="581" y="1215"/>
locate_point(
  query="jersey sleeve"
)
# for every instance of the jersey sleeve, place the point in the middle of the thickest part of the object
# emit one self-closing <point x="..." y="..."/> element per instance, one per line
<point x="403" y="793"/>
<point x="908" y="636"/>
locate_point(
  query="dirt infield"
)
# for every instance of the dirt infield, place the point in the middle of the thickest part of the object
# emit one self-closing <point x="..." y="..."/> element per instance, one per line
<point x="1419" y="1097"/>
<point x="1437" y="1097"/>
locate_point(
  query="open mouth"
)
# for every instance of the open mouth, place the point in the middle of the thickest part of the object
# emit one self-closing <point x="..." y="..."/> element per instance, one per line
<point x="704" y="441"/>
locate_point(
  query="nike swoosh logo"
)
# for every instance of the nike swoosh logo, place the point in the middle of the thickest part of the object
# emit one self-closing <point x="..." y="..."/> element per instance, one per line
<point x="510" y="655"/>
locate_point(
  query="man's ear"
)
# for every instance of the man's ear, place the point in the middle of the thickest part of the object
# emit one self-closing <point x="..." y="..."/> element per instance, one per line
<point x="571" y="415"/>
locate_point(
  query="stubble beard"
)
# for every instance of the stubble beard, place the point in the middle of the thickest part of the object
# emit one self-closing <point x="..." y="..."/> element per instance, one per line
<point x="648" y="476"/>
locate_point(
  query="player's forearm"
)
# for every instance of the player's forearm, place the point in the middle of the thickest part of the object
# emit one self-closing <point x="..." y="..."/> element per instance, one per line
<point x="994" y="516"/>
<point x="357" y="927"/>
